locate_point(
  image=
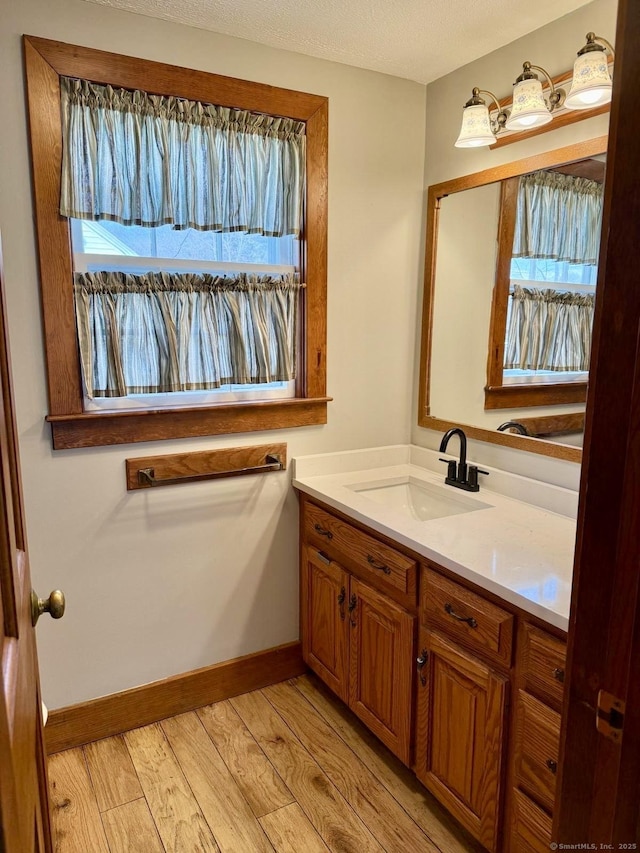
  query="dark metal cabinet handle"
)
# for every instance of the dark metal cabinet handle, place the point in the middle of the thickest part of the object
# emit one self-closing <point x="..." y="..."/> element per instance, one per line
<point x="341" y="597"/>
<point x="353" y="602"/>
<point x="322" y="531"/>
<point x="382" y="567"/>
<point x="420" y="663"/>
<point x="552" y="765"/>
<point x="558" y="674"/>
<point x="471" y="622"/>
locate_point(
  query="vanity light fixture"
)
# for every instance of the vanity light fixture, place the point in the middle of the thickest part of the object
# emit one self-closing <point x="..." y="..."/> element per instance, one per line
<point x="478" y="128"/>
<point x="591" y="84"/>
<point x="529" y="106"/>
<point x="532" y="106"/>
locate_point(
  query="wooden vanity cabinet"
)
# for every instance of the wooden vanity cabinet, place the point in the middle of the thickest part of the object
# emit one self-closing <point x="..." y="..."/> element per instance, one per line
<point x="324" y="592"/>
<point x="355" y="635"/>
<point x="380" y="674"/>
<point x="539" y="682"/>
<point x="462" y="700"/>
<point x="487" y="680"/>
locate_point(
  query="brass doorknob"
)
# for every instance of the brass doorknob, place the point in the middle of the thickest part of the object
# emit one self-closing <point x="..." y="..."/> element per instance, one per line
<point x="54" y="605"/>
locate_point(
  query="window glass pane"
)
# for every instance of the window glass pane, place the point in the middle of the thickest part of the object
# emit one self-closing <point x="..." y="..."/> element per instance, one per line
<point x="189" y="399"/>
<point x="112" y="238"/>
<point x="560" y="272"/>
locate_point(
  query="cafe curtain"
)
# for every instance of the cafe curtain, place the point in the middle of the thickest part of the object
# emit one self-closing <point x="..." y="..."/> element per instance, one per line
<point x="162" y="332"/>
<point x="150" y="160"/>
<point x="558" y="217"/>
<point x="548" y="330"/>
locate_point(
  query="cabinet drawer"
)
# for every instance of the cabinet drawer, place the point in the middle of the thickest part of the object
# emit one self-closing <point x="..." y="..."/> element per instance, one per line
<point x="466" y="616"/>
<point x="376" y="562"/>
<point x="530" y="827"/>
<point x="537" y="749"/>
<point x="543" y="661"/>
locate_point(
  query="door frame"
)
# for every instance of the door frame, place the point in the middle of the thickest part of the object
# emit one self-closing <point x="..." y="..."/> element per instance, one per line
<point x="599" y="778"/>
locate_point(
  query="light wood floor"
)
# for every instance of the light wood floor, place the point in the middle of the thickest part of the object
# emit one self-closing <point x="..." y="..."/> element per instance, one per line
<point x="286" y="769"/>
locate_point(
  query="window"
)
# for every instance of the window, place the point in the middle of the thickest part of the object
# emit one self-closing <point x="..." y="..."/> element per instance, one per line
<point x="96" y="398"/>
<point x="111" y="247"/>
<point x="542" y="312"/>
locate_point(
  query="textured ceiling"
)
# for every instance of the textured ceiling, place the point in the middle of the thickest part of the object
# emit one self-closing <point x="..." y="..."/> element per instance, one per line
<point x="417" y="39"/>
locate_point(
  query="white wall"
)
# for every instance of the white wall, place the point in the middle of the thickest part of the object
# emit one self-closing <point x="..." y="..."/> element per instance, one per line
<point x="464" y="277"/>
<point x="159" y="583"/>
<point x="553" y="47"/>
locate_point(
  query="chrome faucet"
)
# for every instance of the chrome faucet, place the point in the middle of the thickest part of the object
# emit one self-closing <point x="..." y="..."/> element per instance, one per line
<point x="459" y="474"/>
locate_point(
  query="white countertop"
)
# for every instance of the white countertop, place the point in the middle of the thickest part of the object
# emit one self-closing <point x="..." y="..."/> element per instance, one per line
<point x="520" y="550"/>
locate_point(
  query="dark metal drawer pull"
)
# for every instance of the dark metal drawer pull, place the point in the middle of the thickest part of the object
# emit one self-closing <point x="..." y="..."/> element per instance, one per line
<point x="552" y="765"/>
<point x="322" y="531"/>
<point x="558" y="674"/>
<point x="471" y="622"/>
<point x="381" y="567"/>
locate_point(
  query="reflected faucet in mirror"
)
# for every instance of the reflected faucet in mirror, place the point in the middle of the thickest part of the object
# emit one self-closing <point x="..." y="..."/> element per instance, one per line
<point x="459" y="474"/>
<point x="513" y="426"/>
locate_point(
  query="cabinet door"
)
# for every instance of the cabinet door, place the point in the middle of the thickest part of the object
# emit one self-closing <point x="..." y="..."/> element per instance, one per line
<point x="381" y="655"/>
<point x="325" y="627"/>
<point x="460" y="734"/>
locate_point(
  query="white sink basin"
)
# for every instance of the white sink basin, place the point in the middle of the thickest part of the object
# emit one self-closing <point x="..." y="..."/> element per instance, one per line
<point x="417" y="499"/>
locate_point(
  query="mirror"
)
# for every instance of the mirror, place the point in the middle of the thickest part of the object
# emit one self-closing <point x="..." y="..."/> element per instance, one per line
<point x="467" y="301"/>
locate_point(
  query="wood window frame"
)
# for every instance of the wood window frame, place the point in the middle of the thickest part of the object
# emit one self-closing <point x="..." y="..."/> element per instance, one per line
<point x="435" y="194"/>
<point x="45" y="62"/>
<point x="497" y="395"/>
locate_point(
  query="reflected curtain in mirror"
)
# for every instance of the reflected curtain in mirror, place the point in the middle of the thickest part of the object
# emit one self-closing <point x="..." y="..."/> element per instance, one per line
<point x="558" y="217"/>
<point x="558" y="221"/>
<point x="549" y="330"/>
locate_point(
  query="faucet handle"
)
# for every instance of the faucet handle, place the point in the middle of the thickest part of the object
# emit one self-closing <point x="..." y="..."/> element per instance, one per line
<point x="452" y="473"/>
<point x="472" y="476"/>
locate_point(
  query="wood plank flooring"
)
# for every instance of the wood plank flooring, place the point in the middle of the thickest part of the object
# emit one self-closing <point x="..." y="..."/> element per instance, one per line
<point x="287" y="769"/>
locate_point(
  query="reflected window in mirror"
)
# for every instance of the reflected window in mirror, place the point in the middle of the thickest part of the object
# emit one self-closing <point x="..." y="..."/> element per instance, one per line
<point x="469" y="273"/>
<point x="544" y="295"/>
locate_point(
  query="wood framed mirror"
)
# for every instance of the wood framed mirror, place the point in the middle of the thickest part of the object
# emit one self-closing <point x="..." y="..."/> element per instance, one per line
<point x="465" y="305"/>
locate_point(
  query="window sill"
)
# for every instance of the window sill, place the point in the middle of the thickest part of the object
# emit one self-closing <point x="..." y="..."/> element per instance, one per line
<point x="93" y="429"/>
<point x="548" y="394"/>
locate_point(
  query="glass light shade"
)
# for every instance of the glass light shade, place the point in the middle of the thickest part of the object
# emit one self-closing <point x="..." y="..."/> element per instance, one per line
<point x="529" y="107"/>
<point x="591" y="84"/>
<point x="476" y="128"/>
